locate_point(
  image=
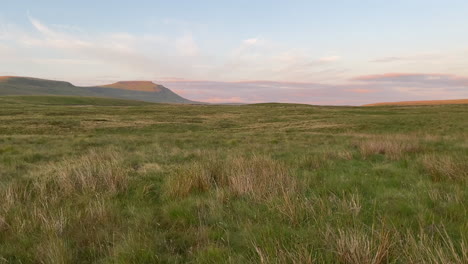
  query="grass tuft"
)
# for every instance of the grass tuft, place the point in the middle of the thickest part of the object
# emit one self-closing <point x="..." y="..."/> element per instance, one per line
<point x="393" y="147"/>
<point x="354" y="246"/>
<point x="95" y="172"/>
<point x="436" y="248"/>
<point x="444" y="167"/>
<point x="258" y="177"/>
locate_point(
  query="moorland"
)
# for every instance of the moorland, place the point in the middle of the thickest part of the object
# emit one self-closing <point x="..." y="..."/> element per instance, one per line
<point x="93" y="180"/>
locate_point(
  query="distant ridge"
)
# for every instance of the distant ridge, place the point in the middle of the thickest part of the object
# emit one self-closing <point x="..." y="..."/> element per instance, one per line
<point x="144" y="86"/>
<point x="131" y="90"/>
<point x="432" y="102"/>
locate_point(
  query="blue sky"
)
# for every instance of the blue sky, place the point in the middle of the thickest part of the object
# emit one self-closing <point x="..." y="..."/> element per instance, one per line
<point x="324" y="52"/>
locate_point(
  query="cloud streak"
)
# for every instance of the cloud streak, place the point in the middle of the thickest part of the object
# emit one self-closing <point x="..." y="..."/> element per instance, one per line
<point x="360" y="90"/>
<point x="158" y="55"/>
<point x="408" y="58"/>
<point x="436" y="80"/>
<point x="272" y="72"/>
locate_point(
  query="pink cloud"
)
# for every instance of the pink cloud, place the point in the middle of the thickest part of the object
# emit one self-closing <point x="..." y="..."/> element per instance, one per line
<point x="358" y="91"/>
<point x="330" y="59"/>
<point x="408" y="58"/>
<point x="434" y="80"/>
<point x="383" y="76"/>
<point x="361" y="91"/>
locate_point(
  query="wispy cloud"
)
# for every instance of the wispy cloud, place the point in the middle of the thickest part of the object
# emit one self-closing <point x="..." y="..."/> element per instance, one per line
<point x="293" y="74"/>
<point x="424" y="80"/>
<point x="360" y="90"/>
<point x="330" y="59"/>
<point x="120" y="52"/>
<point x="187" y="46"/>
<point x="158" y="55"/>
<point x="251" y="41"/>
<point x="409" y="58"/>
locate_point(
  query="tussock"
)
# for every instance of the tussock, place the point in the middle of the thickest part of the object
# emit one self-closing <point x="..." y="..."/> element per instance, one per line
<point x="258" y="177"/>
<point x="392" y="147"/>
<point x="53" y="250"/>
<point x="96" y="172"/>
<point x="62" y="199"/>
<point x="436" y="248"/>
<point x="355" y="246"/>
<point x="443" y="167"/>
<point x="195" y="177"/>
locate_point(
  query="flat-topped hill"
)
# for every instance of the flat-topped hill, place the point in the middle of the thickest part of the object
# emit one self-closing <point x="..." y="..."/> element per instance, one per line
<point x="131" y="90"/>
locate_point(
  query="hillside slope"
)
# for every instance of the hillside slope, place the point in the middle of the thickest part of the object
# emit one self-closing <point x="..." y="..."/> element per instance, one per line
<point x="145" y="91"/>
<point x="67" y="100"/>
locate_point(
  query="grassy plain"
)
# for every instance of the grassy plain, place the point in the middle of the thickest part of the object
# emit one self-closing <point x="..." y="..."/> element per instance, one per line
<point x="433" y="102"/>
<point x="109" y="181"/>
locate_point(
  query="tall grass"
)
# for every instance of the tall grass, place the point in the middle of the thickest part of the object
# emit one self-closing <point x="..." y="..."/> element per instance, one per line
<point x="63" y="203"/>
<point x="355" y="246"/>
<point x="280" y="254"/>
<point x="442" y="167"/>
<point x="393" y="147"/>
<point x="96" y="172"/>
<point x="438" y="247"/>
<point x="258" y="177"/>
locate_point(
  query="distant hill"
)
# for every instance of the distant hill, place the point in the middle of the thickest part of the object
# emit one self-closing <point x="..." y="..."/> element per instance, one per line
<point x="143" y="86"/>
<point x="68" y="100"/>
<point x="130" y="90"/>
<point x="433" y="102"/>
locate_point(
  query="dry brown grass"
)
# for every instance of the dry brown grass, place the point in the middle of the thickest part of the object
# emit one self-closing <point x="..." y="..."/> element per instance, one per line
<point x="99" y="172"/>
<point x="66" y="198"/>
<point x="192" y="178"/>
<point x="434" y="249"/>
<point x="355" y="246"/>
<point x="392" y="147"/>
<point x="443" y="167"/>
<point x="299" y="255"/>
<point x="258" y="177"/>
<point x="53" y="250"/>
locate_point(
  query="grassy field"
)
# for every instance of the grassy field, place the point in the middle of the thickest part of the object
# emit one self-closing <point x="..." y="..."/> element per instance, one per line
<point x="433" y="102"/>
<point x="103" y="181"/>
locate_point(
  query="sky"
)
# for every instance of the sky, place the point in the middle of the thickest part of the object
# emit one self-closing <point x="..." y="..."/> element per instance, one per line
<point x="332" y="52"/>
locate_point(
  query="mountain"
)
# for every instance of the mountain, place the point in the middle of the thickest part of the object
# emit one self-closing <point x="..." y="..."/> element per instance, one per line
<point x="132" y="90"/>
<point x="143" y="86"/>
<point x="67" y="100"/>
<point x="433" y="102"/>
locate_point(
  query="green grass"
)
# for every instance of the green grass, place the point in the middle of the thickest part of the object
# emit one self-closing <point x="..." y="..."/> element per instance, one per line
<point x="85" y="180"/>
